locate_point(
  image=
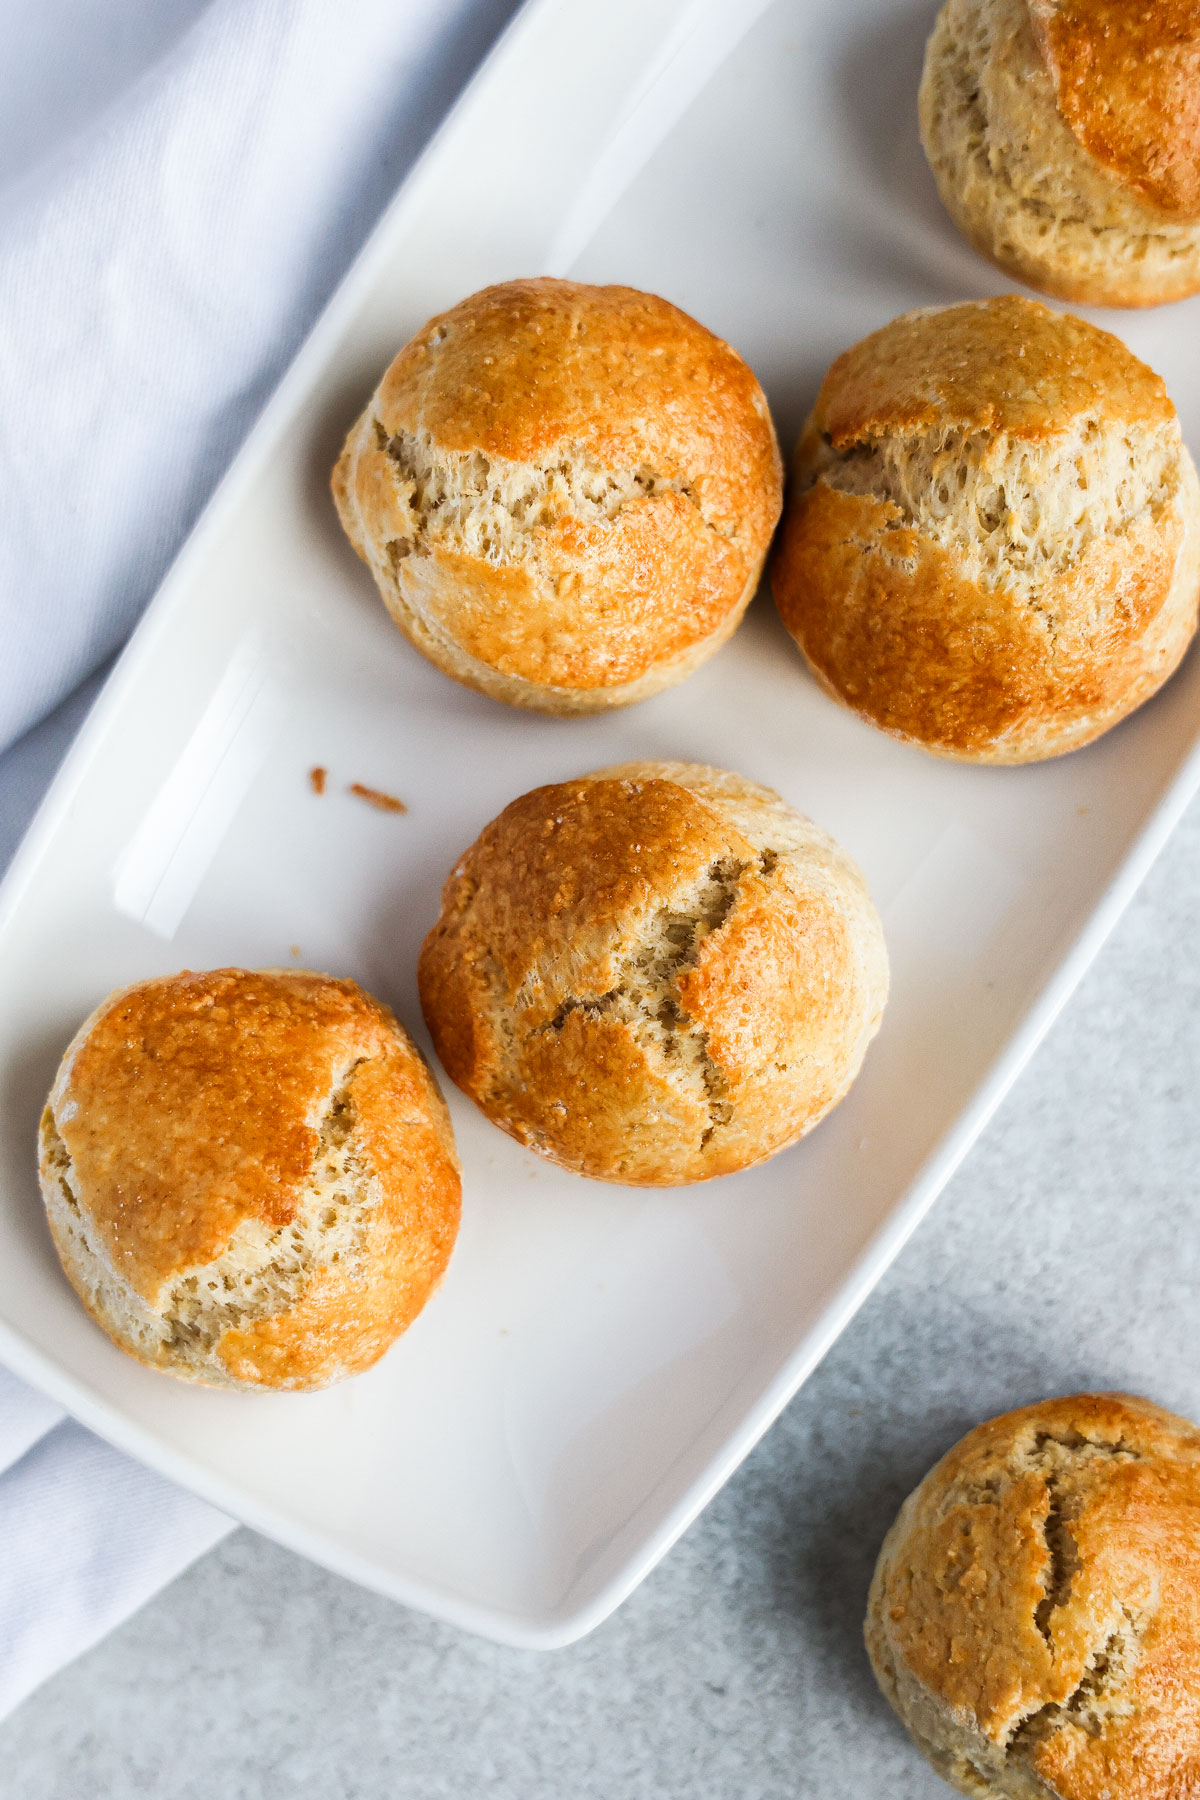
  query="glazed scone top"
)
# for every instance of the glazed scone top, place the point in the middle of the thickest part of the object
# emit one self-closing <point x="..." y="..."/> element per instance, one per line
<point x="192" y="1107"/>
<point x="565" y="493"/>
<point x="533" y="370"/>
<point x="1004" y="365"/>
<point x="656" y="973"/>
<point x="992" y="544"/>
<point x="1127" y="81"/>
<point x="1041" y="1588"/>
<point x="581" y="880"/>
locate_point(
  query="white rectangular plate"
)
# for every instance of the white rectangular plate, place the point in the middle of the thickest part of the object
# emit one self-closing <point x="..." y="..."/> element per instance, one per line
<point x="598" y="1360"/>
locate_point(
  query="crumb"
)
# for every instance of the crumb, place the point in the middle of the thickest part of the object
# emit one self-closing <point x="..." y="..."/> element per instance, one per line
<point x="295" y="949"/>
<point x="316" y="779"/>
<point x="376" y="797"/>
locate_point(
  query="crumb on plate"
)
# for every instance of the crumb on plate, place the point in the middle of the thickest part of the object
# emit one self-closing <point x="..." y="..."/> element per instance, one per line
<point x="376" y="797"/>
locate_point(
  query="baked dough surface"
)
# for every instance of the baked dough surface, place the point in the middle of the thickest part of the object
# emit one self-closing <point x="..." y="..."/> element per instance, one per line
<point x="654" y="974"/>
<point x="1035" y="1613"/>
<point x="250" y="1176"/>
<point x="992" y="540"/>
<point x="1064" y="136"/>
<point x="564" y="493"/>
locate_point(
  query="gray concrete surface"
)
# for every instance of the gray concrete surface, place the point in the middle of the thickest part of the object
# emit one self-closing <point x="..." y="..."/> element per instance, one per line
<point x="1066" y="1254"/>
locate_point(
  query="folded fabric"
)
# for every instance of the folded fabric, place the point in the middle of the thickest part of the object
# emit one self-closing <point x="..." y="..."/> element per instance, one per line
<point x="157" y="273"/>
<point x="158" y="268"/>
<point x="87" y="1536"/>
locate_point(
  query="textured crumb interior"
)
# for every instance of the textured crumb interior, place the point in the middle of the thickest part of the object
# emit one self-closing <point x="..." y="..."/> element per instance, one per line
<point x="263" y="1272"/>
<point x="489" y="507"/>
<point x="1102" y="1696"/>
<point x="1000" y="146"/>
<point x="1014" y="511"/>
<point x="646" y="996"/>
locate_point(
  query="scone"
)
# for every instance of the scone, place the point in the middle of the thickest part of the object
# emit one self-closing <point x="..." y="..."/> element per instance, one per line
<point x="250" y="1177"/>
<point x="992" y="539"/>
<point x="1064" y="136"/>
<point x="654" y="974"/>
<point x="564" y="493"/>
<point x="1035" y="1613"/>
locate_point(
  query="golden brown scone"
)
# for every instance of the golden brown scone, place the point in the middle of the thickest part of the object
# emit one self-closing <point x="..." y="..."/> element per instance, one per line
<point x="654" y="974"/>
<point x="564" y="493"/>
<point x="992" y="540"/>
<point x="1064" y="136"/>
<point x="1035" y="1613"/>
<point x="250" y="1177"/>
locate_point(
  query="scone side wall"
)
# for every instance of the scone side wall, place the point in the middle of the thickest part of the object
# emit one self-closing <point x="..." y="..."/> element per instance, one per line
<point x="250" y="1177"/>
<point x="994" y="577"/>
<point x="948" y="1740"/>
<point x="1034" y="1617"/>
<point x="564" y="494"/>
<point x="1056" y="198"/>
<point x="655" y="974"/>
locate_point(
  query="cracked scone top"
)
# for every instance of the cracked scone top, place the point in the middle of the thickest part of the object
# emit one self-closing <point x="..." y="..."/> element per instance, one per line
<point x="992" y="540"/>
<point x="250" y="1177"/>
<point x="654" y="974"/>
<point x="564" y="493"/>
<point x="1035" y="1613"/>
<point x="1064" y="136"/>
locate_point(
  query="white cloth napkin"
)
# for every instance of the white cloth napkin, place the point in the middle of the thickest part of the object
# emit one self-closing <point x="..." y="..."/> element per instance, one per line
<point x="85" y="1537"/>
<point x="181" y="184"/>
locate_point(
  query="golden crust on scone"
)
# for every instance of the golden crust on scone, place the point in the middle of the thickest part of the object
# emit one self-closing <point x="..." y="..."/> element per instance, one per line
<point x="250" y="1176"/>
<point x="1035" y="1613"/>
<point x="992" y="539"/>
<point x="1064" y="136"/>
<point x="1007" y="364"/>
<point x="1127" y="79"/>
<point x="565" y="493"/>
<point x="654" y="974"/>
